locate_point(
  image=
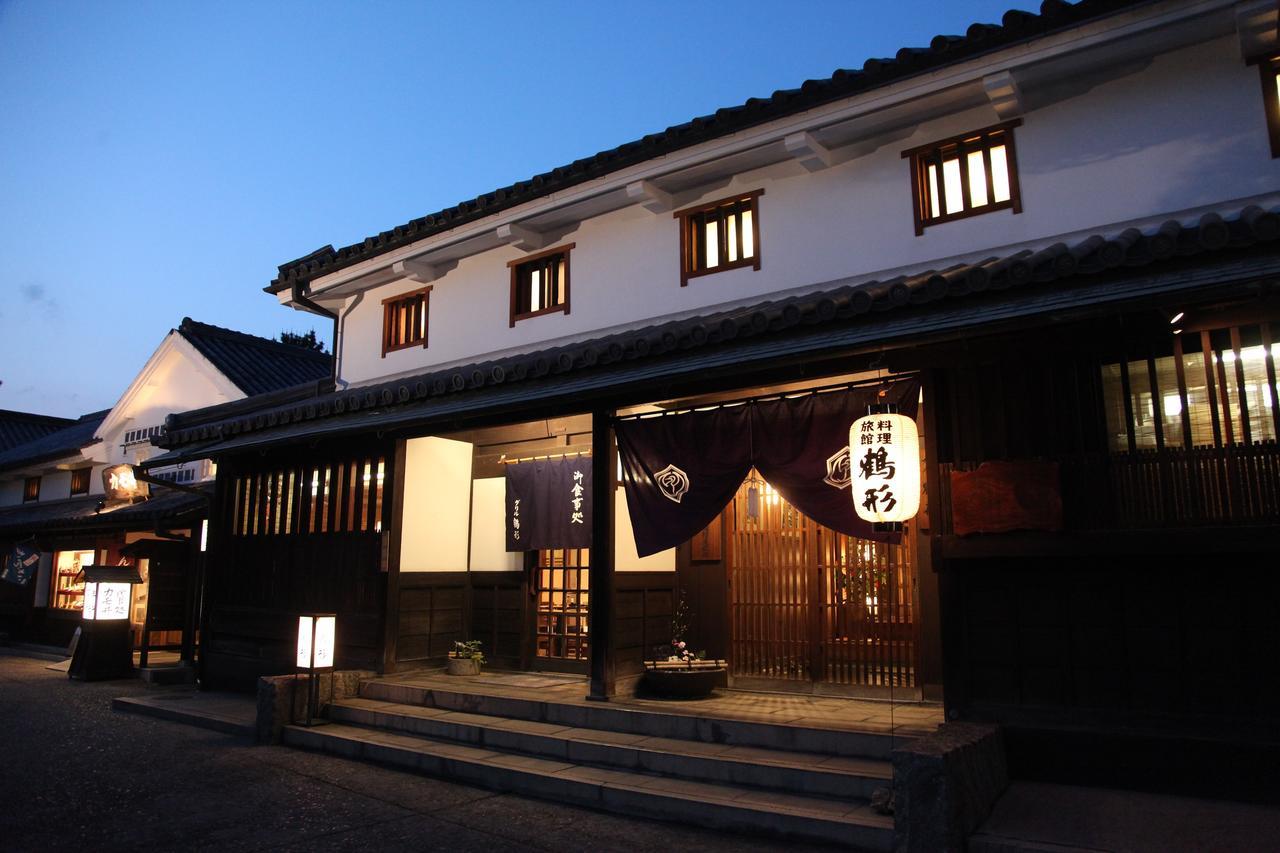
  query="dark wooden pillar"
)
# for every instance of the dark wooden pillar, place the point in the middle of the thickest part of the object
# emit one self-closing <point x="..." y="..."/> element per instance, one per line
<point x="392" y="525"/>
<point x="600" y="617"/>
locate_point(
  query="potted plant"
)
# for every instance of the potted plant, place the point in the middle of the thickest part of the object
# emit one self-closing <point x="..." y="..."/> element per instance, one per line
<point x="676" y="671"/>
<point x="465" y="659"/>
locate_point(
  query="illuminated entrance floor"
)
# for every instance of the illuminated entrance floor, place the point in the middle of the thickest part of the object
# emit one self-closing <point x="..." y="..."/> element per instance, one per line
<point x="907" y="718"/>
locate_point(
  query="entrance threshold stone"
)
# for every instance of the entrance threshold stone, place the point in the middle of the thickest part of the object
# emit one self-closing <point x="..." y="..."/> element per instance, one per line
<point x="230" y="713"/>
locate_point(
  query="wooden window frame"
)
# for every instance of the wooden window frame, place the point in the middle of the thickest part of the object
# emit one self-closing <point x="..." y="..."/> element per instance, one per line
<point x="30" y="494"/>
<point x="515" y="267"/>
<point x="1270" y="71"/>
<point x="685" y="216"/>
<point x="423" y="296"/>
<point x="923" y="156"/>
<point x="87" y="473"/>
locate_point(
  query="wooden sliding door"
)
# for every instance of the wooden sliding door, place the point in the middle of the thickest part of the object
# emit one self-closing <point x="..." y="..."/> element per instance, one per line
<point x="561" y="639"/>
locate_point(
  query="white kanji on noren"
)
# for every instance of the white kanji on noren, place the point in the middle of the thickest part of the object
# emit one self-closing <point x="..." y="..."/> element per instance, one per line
<point x="672" y="482"/>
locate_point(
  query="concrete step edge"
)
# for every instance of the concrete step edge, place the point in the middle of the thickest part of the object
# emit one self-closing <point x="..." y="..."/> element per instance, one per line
<point x="566" y="782"/>
<point x="685" y="726"/>
<point x="788" y="771"/>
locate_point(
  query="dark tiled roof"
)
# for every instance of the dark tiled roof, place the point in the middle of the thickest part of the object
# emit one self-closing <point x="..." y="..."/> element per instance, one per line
<point x="63" y="442"/>
<point x="1095" y="258"/>
<point x="165" y="507"/>
<point x="20" y="427"/>
<point x="1015" y="27"/>
<point x="256" y="365"/>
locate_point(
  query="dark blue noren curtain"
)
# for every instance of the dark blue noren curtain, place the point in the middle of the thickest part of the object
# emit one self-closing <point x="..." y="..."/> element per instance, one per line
<point x="21" y="565"/>
<point x="681" y="470"/>
<point x="549" y="504"/>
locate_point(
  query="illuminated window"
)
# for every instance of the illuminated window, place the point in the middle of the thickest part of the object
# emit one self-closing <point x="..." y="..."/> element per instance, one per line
<point x="31" y="489"/>
<point x="540" y="284"/>
<point x="719" y="236"/>
<point x="404" y="320"/>
<point x="80" y="481"/>
<point x="68" y="585"/>
<point x="1271" y="100"/>
<point x="964" y="176"/>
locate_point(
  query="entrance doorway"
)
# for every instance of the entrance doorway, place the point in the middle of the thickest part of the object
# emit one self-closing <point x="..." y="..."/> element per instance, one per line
<point x="562" y="592"/>
<point x="815" y="610"/>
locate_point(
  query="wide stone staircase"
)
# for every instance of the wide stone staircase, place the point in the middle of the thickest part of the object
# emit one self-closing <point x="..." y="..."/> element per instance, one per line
<point x="741" y="775"/>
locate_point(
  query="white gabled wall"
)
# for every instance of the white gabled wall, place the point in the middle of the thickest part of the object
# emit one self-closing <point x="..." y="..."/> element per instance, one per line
<point x="1184" y="134"/>
<point x="434" y="531"/>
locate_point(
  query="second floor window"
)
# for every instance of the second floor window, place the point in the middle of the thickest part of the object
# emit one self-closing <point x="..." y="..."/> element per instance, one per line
<point x="1271" y="100"/>
<point x="540" y="284"/>
<point x="404" y="320"/>
<point x="80" y="481"/>
<point x="964" y="176"/>
<point x="719" y="236"/>
<point x="31" y="489"/>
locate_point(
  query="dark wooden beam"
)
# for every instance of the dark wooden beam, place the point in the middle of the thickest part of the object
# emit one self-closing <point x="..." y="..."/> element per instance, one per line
<point x="392" y="526"/>
<point x="601" y="613"/>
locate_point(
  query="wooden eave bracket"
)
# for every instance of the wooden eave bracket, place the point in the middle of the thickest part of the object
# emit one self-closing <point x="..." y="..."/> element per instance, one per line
<point x="808" y="152"/>
<point x="522" y="237"/>
<point x="650" y="197"/>
<point x="1258" y="25"/>
<point x="416" y="270"/>
<point x="1003" y="92"/>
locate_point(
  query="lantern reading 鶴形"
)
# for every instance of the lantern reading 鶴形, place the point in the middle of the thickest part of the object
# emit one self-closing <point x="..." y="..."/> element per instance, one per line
<point x="884" y="456"/>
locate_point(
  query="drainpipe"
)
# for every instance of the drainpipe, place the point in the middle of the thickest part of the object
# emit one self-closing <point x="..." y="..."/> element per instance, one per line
<point x="306" y="303"/>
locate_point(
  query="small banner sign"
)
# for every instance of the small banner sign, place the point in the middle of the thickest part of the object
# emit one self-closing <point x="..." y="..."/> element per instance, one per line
<point x="119" y="484"/>
<point x="1000" y="497"/>
<point x="549" y="504"/>
<point x="21" y="565"/>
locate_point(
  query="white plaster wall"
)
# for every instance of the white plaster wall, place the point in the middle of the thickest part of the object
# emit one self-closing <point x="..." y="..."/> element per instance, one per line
<point x="489" y="528"/>
<point x="624" y="544"/>
<point x="10" y="492"/>
<point x="1186" y="132"/>
<point x="55" y="486"/>
<point x="176" y="379"/>
<point x="437" y="505"/>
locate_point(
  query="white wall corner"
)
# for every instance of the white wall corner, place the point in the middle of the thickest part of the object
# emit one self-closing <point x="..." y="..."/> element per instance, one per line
<point x="1003" y="92"/>
<point x="809" y="152"/>
<point x="1258" y="25"/>
<point x="522" y="237"/>
<point x="650" y="197"/>
<point x="416" y="270"/>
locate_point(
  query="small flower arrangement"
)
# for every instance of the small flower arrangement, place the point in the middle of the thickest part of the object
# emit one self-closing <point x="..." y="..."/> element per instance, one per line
<point x="468" y="650"/>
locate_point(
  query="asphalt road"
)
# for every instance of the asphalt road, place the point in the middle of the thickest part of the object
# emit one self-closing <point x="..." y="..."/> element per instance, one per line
<point x="75" y="775"/>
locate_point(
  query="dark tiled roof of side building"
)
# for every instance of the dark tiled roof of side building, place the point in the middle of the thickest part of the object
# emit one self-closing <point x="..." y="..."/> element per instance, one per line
<point x="63" y="442"/>
<point x="20" y="427"/>
<point x="256" y="365"/>
<point x="1016" y="26"/>
<point x="1098" y="258"/>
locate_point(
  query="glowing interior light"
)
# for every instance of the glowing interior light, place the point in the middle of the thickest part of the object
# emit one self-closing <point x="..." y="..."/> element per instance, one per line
<point x="731" y="229"/>
<point x="748" y="236"/>
<point x="933" y="192"/>
<point x="315" y="483"/>
<point x="1172" y="405"/>
<point x="999" y="174"/>
<point x="1177" y="317"/>
<point x="535" y="290"/>
<point x="713" y="244"/>
<point x="1228" y="357"/>
<point x="953" y="186"/>
<point x="977" y="180"/>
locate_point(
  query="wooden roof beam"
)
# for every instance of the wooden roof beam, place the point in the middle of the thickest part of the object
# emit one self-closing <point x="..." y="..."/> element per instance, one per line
<point x="1005" y="95"/>
<point x="650" y="197"/>
<point x="522" y="237"/>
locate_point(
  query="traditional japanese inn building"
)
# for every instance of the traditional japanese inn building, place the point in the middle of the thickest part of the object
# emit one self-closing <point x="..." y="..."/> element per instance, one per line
<point x="568" y="409"/>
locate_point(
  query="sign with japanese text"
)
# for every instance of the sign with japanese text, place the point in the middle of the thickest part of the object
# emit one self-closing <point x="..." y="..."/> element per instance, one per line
<point x="119" y="484"/>
<point x="549" y="504"/>
<point x="21" y="565"/>
<point x="884" y="461"/>
<point x="107" y="601"/>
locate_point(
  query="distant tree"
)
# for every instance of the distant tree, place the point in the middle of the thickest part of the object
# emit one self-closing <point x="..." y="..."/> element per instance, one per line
<point x="307" y="341"/>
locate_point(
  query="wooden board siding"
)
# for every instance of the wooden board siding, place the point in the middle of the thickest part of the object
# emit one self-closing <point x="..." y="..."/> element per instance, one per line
<point x="433" y="615"/>
<point x="499" y="614"/>
<point x="644" y="603"/>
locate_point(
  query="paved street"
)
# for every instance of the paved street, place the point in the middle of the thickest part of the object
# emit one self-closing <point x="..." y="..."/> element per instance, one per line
<point x="74" y="775"/>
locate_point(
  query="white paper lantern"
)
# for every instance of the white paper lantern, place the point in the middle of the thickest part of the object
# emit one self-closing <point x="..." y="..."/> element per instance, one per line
<point x="107" y="601"/>
<point x="316" y="636"/>
<point x="884" y="461"/>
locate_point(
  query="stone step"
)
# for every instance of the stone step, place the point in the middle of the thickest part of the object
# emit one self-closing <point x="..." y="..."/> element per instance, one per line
<point x="728" y="807"/>
<point x="692" y="725"/>
<point x="748" y="766"/>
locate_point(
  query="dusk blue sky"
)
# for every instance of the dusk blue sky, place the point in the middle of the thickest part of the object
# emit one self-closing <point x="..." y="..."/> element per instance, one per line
<point x="159" y="160"/>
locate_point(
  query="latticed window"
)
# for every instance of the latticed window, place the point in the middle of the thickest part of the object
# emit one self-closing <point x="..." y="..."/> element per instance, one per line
<point x="404" y="320"/>
<point x="342" y="496"/>
<point x="31" y="489"/>
<point x="719" y="236"/>
<point x="540" y="284"/>
<point x="80" y="481"/>
<point x="965" y="176"/>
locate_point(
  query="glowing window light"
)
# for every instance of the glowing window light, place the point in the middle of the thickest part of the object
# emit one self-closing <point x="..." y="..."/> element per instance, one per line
<point x="934" y="210"/>
<point x="535" y="290"/>
<point x="748" y="237"/>
<point x="713" y="243"/>
<point x="1172" y="405"/>
<point x="999" y="173"/>
<point x="953" y="186"/>
<point x="977" y="180"/>
<point x="731" y="231"/>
